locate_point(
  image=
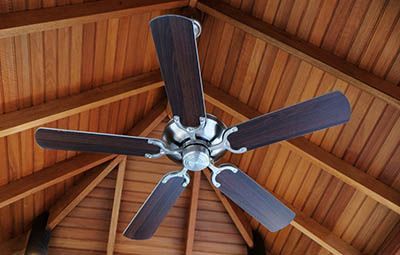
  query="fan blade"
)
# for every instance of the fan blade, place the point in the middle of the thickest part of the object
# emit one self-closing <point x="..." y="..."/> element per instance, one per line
<point x="154" y="209"/>
<point x="38" y="242"/>
<point x="255" y="200"/>
<point x="297" y="120"/>
<point x="61" y="139"/>
<point x="176" y="48"/>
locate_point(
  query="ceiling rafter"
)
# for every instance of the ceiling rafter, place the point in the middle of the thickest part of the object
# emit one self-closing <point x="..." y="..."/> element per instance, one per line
<point x="116" y="206"/>
<point x="17" y="121"/>
<point x="318" y="57"/>
<point x="194" y="202"/>
<point x="79" y="191"/>
<point x="15" y="23"/>
<point x="319" y="233"/>
<point x="49" y="176"/>
<point x="327" y="161"/>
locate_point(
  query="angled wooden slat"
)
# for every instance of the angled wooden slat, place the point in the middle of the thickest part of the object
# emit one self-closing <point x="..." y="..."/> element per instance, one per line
<point x="31" y="117"/>
<point x="236" y="214"/>
<point x="328" y="162"/>
<point x="116" y="206"/>
<point x="303" y="50"/>
<point x="78" y="192"/>
<point x="194" y="202"/>
<point x="49" y="176"/>
<point x="15" y="23"/>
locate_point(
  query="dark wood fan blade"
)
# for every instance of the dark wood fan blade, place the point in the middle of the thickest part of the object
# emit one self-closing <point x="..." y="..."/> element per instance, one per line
<point x="60" y="139"/>
<point x="38" y="242"/>
<point x="177" y="53"/>
<point x="154" y="209"/>
<point x="297" y="120"/>
<point x="255" y="200"/>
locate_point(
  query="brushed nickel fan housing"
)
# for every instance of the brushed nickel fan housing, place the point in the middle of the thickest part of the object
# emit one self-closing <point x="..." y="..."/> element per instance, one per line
<point x="203" y="148"/>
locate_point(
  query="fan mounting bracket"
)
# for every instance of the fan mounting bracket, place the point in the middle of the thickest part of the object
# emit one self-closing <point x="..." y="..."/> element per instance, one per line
<point x="191" y="131"/>
<point x="164" y="150"/>
<point x="180" y="174"/>
<point x="225" y="142"/>
<point x="217" y="170"/>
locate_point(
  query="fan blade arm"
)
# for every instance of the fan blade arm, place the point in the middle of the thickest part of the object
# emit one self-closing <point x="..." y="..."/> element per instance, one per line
<point x="156" y="207"/>
<point x="251" y="197"/>
<point x="297" y="120"/>
<point x="61" y="139"/>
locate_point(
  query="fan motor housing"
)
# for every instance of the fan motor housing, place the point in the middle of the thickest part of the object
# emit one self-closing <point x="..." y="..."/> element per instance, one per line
<point x="210" y="135"/>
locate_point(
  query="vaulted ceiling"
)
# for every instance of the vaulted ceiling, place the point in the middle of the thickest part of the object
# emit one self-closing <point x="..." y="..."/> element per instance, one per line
<point x="92" y="66"/>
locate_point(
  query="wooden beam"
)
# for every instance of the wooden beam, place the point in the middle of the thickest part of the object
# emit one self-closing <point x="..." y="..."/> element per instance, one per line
<point x="320" y="234"/>
<point x="318" y="57"/>
<point x="194" y="202"/>
<point x="15" y="23"/>
<point x="47" y="177"/>
<point x="35" y="116"/>
<point x="236" y="214"/>
<point x="116" y="206"/>
<point x="78" y="192"/>
<point x="328" y="162"/>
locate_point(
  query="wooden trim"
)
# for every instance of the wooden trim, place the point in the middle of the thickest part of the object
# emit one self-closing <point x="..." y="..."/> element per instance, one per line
<point x="78" y="192"/>
<point x="318" y="57"/>
<point x="194" y="201"/>
<point x="236" y="214"/>
<point x="47" y="177"/>
<point x="328" y="162"/>
<point x="16" y="23"/>
<point x="116" y="206"/>
<point x="35" y="116"/>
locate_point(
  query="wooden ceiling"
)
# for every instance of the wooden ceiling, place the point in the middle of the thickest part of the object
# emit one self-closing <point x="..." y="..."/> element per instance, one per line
<point x="92" y="66"/>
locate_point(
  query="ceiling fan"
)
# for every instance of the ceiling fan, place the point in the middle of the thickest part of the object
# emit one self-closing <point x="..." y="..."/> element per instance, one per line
<point x="197" y="139"/>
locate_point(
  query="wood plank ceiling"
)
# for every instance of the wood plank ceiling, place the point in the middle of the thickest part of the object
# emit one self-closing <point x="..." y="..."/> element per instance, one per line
<point x="67" y="59"/>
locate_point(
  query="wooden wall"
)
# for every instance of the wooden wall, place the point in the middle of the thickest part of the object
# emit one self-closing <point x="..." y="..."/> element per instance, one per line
<point x="267" y="78"/>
